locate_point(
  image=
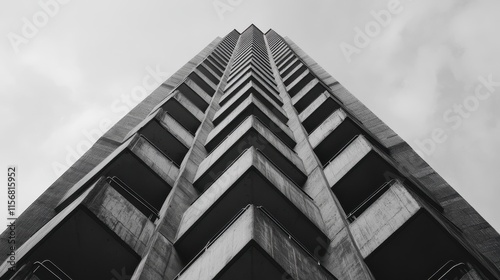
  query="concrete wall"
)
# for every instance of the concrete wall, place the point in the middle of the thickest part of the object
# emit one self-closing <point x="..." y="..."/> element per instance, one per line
<point x="382" y="218"/>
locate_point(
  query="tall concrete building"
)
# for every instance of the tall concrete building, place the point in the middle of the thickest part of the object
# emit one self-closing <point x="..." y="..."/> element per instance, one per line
<point x="251" y="162"/>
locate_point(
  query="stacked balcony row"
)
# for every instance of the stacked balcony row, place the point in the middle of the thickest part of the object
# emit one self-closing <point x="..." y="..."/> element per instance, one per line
<point x="393" y="220"/>
<point x="250" y="184"/>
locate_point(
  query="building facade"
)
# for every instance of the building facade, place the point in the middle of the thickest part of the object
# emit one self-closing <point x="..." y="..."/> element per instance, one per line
<point x="251" y="162"/>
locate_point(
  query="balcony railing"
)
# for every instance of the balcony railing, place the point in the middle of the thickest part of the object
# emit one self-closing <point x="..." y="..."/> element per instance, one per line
<point x="220" y="174"/>
<point x="351" y="217"/>
<point x="341" y="150"/>
<point x="284" y="174"/>
<point x="183" y="126"/>
<point x="290" y="236"/>
<point x="451" y="270"/>
<point x="213" y="239"/>
<point x="160" y="151"/>
<point x="47" y="270"/>
<point x="233" y="220"/>
<point x="150" y="211"/>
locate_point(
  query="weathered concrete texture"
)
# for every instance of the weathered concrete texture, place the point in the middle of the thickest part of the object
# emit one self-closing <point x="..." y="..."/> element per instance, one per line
<point x="94" y="174"/>
<point x="253" y="228"/>
<point x="382" y="218"/>
<point x="172" y="126"/>
<point x="347" y="159"/>
<point x="487" y="240"/>
<point x="161" y="262"/>
<point x="155" y="160"/>
<point x="120" y="216"/>
<point x="327" y="127"/>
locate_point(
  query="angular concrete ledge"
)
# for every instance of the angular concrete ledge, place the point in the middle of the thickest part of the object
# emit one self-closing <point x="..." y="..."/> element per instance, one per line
<point x="45" y="230"/>
<point x="347" y="159"/>
<point x="184" y="101"/>
<point x="248" y="76"/>
<point x="139" y="152"/>
<point x="311" y="108"/>
<point x="251" y="132"/>
<point x="304" y="91"/>
<point x="250" y="64"/>
<point x="175" y="128"/>
<point x="251" y="106"/>
<point x="250" y="89"/>
<point x="205" y="79"/>
<point x="251" y="179"/>
<point x="383" y="217"/>
<point x="252" y="247"/>
<point x="120" y="215"/>
<point x="329" y="125"/>
<point x="297" y="80"/>
<point x="292" y="72"/>
<point x="290" y="65"/>
<point x="197" y="90"/>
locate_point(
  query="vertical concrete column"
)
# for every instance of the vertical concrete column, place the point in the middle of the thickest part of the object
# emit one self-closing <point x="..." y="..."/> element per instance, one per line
<point x="341" y="257"/>
<point x="162" y="261"/>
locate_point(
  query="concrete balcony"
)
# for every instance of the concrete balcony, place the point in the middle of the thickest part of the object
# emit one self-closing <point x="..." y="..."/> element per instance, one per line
<point x="285" y="60"/>
<point x="207" y="72"/>
<point x="250" y="58"/>
<point x="253" y="89"/>
<point x="256" y="78"/>
<point x="294" y="74"/>
<point x="382" y="216"/>
<point x="299" y="83"/>
<point x="318" y="111"/>
<point x="400" y="239"/>
<point x="65" y="247"/>
<point x="194" y="93"/>
<point x="138" y="165"/>
<point x="421" y="248"/>
<point x="252" y="178"/>
<point x="294" y="63"/>
<point x="307" y="95"/>
<point x="202" y="82"/>
<point x="253" y="246"/>
<point x="183" y="111"/>
<point x="334" y="134"/>
<point x="251" y="106"/>
<point x="212" y="61"/>
<point x="211" y="66"/>
<point x="359" y="170"/>
<point x="250" y="133"/>
<point x="319" y="135"/>
<point x="166" y="135"/>
<point x="175" y="128"/>
<point x="254" y="65"/>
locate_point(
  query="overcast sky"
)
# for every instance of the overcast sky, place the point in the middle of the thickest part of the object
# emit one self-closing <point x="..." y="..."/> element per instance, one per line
<point x="427" y="68"/>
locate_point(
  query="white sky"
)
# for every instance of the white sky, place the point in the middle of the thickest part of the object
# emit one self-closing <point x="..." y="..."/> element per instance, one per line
<point x="71" y="72"/>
